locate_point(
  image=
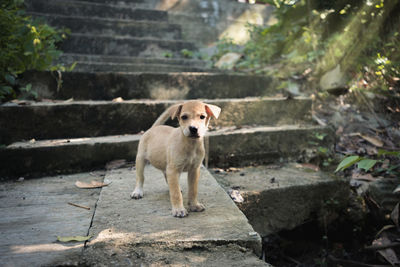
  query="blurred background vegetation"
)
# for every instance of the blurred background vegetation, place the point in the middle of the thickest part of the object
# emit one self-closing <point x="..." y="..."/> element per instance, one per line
<point x="25" y="44"/>
<point x="355" y="43"/>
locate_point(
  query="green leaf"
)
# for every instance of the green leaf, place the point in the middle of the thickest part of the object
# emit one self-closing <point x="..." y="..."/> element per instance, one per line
<point x="320" y="136"/>
<point x="10" y="79"/>
<point x="5" y="90"/>
<point x="388" y="153"/>
<point x="323" y="150"/>
<point x="366" y="164"/>
<point x="347" y="162"/>
<point x="73" y="238"/>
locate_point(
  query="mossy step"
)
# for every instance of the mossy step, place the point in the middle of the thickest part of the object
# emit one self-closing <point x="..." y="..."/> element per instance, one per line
<point x="110" y="26"/>
<point x="227" y="147"/>
<point x="70" y="58"/>
<point x="133" y="67"/>
<point x="182" y="85"/>
<point x="91" y="9"/>
<point x="123" y="46"/>
<point x="45" y="120"/>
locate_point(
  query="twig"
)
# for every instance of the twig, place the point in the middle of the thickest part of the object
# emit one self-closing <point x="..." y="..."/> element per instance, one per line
<point x="379" y="247"/>
<point x="79" y="206"/>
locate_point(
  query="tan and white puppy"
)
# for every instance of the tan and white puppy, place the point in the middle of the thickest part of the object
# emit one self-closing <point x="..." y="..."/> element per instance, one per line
<point x="176" y="150"/>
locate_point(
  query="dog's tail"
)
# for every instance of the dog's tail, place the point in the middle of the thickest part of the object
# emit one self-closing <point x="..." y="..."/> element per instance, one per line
<point x="170" y="112"/>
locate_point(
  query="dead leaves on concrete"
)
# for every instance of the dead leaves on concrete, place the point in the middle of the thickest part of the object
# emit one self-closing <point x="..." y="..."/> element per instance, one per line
<point x="76" y="238"/>
<point x="91" y="185"/>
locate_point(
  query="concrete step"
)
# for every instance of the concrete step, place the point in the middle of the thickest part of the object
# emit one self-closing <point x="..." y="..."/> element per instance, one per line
<point x="70" y="58"/>
<point x="107" y="86"/>
<point x="129" y="67"/>
<point x="226" y="147"/>
<point x="123" y="46"/>
<point x="35" y="212"/>
<point x="107" y="26"/>
<point x="93" y="9"/>
<point x="117" y="2"/>
<point x="259" y="145"/>
<point x="122" y="225"/>
<point x="51" y="120"/>
<point x="282" y="197"/>
<point x="101" y="63"/>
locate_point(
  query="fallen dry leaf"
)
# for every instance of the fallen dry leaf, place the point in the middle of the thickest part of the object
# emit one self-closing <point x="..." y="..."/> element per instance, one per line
<point x="395" y="215"/>
<point x="371" y="150"/>
<point x="371" y="139"/>
<point x="310" y="166"/>
<point x="396" y="190"/>
<point x="21" y="102"/>
<point x="363" y="177"/>
<point x="233" y="169"/>
<point x="93" y="184"/>
<point x="73" y="238"/>
<point x="388" y="254"/>
<point x="384" y="228"/>
<point x="118" y="99"/>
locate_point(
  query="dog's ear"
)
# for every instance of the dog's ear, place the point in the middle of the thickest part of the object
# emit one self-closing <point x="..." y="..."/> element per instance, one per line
<point x="175" y="111"/>
<point x="213" y="110"/>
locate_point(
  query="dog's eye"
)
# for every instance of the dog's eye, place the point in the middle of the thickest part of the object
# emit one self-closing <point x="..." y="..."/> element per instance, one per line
<point x="202" y="117"/>
<point x="184" y="117"/>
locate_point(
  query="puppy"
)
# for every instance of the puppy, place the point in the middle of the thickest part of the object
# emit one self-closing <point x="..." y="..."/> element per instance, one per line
<point x="176" y="150"/>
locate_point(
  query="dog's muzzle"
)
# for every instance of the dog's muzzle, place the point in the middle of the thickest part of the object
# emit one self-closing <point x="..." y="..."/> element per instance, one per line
<point x="193" y="132"/>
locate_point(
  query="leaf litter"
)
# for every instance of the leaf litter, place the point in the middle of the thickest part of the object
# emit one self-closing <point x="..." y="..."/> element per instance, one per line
<point x="92" y="184"/>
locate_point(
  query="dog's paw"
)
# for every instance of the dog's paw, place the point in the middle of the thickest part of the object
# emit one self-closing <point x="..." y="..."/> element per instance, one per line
<point x="196" y="207"/>
<point x="137" y="193"/>
<point x="179" y="212"/>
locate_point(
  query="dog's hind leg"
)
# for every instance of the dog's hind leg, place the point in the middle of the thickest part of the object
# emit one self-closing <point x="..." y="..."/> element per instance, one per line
<point x="140" y="163"/>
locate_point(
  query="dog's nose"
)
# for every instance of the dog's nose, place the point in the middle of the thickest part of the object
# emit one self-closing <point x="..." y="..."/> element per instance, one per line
<point x="193" y="130"/>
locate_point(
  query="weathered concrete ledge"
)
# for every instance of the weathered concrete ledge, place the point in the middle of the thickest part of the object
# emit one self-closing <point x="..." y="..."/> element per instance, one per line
<point x="132" y="67"/>
<point x="100" y="10"/>
<point x="107" y="26"/>
<point x="35" y="212"/>
<point x="122" y="45"/>
<point x="47" y="120"/>
<point x="241" y="147"/>
<point x="107" y="86"/>
<point x="281" y="198"/>
<point x="69" y="58"/>
<point x="121" y="222"/>
<point x="227" y="147"/>
<point x="64" y="155"/>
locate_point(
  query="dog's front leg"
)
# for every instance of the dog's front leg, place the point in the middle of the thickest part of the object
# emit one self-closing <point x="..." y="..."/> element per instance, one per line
<point x="175" y="193"/>
<point x="193" y="180"/>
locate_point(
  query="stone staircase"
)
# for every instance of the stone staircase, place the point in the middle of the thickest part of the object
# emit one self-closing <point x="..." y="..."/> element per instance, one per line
<point x="120" y="49"/>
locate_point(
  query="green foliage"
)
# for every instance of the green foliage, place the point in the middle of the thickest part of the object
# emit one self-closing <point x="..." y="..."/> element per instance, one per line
<point x="25" y="44"/>
<point x="362" y="36"/>
<point x="225" y="45"/>
<point x="367" y="164"/>
<point x="187" y="53"/>
<point x="168" y="55"/>
<point x="347" y="162"/>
